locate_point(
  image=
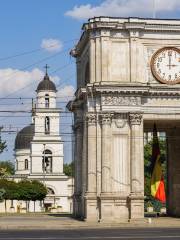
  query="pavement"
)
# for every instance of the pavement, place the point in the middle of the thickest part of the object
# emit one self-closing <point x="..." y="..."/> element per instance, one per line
<point x="93" y="234"/>
<point x="62" y="221"/>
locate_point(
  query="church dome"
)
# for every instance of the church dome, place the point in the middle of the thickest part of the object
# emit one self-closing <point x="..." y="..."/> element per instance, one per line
<point x="24" y="137"/>
<point x="46" y="85"/>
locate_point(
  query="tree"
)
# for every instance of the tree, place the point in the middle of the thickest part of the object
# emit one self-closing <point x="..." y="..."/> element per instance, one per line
<point x="24" y="190"/>
<point x="39" y="191"/>
<point x="31" y="191"/>
<point x="6" y="169"/>
<point x="69" y="169"/>
<point x="11" y="190"/>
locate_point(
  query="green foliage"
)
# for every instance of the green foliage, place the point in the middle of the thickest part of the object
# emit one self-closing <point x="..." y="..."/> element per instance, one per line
<point x="6" y="169"/>
<point x="69" y="169"/>
<point x="23" y="190"/>
<point x="11" y="189"/>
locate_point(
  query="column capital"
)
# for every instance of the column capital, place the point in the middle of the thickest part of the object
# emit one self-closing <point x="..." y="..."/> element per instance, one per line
<point x="91" y="118"/>
<point x="106" y="118"/>
<point x="135" y="118"/>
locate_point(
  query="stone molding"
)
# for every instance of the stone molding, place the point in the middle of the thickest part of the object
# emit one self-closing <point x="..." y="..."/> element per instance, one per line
<point x="121" y="100"/>
<point x="135" y="118"/>
<point x="91" y="118"/>
<point x="136" y="196"/>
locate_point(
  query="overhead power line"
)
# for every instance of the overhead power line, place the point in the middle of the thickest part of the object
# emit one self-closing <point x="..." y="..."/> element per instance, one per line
<point x="32" y="51"/>
<point x="58" y="69"/>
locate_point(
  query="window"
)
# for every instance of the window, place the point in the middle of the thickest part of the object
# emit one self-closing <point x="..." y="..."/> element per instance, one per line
<point x="16" y="164"/>
<point x="26" y="164"/>
<point x="47" y="101"/>
<point x="47" y="161"/>
<point x="47" y="125"/>
<point x="50" y="191"/>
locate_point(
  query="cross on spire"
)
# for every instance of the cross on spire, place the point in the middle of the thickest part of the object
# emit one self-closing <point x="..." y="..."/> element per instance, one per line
<point x="46" y="67"/>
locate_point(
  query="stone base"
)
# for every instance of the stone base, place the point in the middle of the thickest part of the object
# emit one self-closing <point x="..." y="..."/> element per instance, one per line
<point x="114" y="208"/>
<point x="136" y="203"/>
<point x="106" y="208"/>
<point x="91" y="208"/>
<point x="111" y="208"/>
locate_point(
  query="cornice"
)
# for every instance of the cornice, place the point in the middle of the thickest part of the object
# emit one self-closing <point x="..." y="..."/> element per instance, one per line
<point x="127" y="24"/>
<point x="127" y="89"/>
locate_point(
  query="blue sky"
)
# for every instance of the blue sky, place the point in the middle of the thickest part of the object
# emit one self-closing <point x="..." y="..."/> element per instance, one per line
<point x="48" y="29"/>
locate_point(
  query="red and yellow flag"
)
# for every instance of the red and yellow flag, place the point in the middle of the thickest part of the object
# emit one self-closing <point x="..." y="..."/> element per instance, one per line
<point x="157" y="180"/>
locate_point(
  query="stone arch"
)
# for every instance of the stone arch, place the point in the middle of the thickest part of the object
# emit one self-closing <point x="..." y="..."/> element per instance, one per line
<point x="51" y="189"/>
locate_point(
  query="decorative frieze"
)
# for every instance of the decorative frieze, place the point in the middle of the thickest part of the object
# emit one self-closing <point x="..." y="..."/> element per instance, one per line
<point x="121" y="100"/>
<point x="135" y="118"/>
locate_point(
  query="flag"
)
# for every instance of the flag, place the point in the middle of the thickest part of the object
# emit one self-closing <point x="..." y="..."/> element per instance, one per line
<point x="157" y="180"/>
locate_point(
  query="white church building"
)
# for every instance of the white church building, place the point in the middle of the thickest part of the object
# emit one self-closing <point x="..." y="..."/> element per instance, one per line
<point x="39" y="153"/>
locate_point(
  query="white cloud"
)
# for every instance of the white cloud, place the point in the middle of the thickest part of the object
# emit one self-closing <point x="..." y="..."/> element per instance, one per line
<point x="51" y="45"/>
<point x="20" y="83"/>
<point x="123" y="8"/>
<point x="66" y="92"/>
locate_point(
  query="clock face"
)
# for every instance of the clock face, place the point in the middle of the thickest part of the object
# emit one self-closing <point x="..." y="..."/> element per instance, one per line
<point x="165" y="65"/>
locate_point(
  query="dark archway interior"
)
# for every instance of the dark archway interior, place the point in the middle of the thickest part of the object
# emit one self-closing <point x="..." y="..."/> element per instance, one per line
<point x="169" y="139"/>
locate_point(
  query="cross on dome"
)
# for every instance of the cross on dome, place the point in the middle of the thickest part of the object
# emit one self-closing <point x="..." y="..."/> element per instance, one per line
<point x="46" y="67"/>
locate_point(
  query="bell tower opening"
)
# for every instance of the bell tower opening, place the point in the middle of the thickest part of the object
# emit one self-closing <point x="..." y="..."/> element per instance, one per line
<point x="46" y="100"/>
<point x="47" y="125"/>
<point x="47" y="161"/>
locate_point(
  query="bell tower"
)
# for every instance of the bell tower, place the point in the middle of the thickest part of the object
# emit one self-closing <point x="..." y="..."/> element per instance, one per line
<point x="46" y="147"/>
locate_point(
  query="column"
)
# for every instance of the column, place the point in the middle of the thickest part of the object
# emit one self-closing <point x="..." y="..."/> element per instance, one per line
<point x="91" y="153"/>
<point x="106" y="153"/>
<point x="91" y="191"/>
<point x="137" y="166"/>
<point x="79" y="146"/>
<point x="78" y="128"/>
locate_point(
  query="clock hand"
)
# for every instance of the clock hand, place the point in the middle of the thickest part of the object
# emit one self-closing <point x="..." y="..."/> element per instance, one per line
<point x="169" y="62"/>
<point x="173" y="65"/>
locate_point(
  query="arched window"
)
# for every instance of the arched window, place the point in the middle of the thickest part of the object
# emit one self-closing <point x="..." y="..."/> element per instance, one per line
<point x="47" y="125"/>
<point x="26" y="164"/>
<point x="16" y="164"/>
<point x="50" y="191"/>
<point x="47" y="101"/>
<point x="87" y="75"/>
<point x="47" y="161"/>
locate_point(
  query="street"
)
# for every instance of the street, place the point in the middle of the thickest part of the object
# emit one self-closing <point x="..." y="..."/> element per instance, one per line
<point x="135" y="233"/>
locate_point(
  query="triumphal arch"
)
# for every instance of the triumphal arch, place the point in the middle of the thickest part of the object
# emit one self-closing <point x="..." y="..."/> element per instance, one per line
<point x="128" y="78"/>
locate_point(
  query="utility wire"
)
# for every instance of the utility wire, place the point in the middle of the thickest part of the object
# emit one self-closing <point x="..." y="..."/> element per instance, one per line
<point x="32" y="51"/>
<point x="60" y="68"/>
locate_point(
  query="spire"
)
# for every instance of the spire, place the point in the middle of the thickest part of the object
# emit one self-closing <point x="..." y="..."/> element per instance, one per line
<point x="46" y="67"/>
